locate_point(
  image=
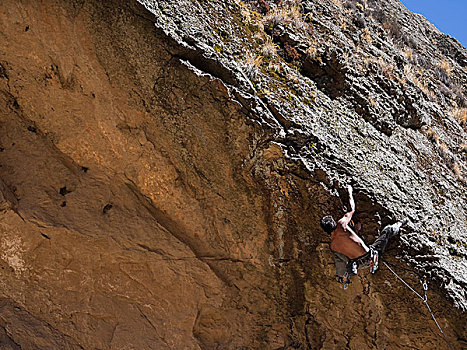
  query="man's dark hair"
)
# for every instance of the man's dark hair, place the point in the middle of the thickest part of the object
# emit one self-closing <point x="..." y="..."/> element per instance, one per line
<point x="328" y="224"/>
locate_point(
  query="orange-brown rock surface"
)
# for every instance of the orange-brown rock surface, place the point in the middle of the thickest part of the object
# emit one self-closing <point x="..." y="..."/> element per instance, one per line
<point x="144" y="206"/>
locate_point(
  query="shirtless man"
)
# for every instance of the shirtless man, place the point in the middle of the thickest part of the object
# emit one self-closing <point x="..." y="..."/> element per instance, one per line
<point x="350" y="252"/>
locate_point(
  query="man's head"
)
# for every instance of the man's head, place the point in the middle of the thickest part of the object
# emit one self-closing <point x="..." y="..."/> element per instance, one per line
<point x="328" y="224"/>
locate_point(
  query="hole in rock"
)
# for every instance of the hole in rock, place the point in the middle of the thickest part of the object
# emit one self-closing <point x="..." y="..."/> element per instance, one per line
<point x="107" y="207"/>
<point x="64" y="191"/>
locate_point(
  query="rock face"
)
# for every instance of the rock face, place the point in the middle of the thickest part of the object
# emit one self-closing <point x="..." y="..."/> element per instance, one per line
<point x="164" y="166"/>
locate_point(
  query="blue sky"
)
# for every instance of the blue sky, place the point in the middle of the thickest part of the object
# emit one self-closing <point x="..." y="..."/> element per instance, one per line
<point x="449" y="16"/>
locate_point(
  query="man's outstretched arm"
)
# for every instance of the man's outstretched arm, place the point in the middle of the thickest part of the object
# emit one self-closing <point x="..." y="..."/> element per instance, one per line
<point x="348" y="216"/>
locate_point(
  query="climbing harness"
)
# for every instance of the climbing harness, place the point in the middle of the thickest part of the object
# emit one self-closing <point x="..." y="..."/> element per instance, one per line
<point x="370" y="259"/>
<point x="424" y="298"/>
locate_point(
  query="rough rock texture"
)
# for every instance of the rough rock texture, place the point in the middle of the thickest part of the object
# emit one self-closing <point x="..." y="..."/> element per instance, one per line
<point x="164" y="166"/>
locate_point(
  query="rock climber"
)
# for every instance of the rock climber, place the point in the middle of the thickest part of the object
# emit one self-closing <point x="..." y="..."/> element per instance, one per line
<point x="350" y="252"/>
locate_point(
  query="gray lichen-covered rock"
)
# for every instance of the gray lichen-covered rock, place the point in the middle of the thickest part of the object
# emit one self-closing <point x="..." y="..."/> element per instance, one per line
<point x="361" y="103"/>
<point x="164" y="166"/>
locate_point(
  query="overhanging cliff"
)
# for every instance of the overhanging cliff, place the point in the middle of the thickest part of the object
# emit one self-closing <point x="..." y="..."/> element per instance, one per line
<point x="164" y="168"/>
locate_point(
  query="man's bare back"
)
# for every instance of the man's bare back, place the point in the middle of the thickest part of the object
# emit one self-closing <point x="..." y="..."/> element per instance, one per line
<point x="344" y="240"/>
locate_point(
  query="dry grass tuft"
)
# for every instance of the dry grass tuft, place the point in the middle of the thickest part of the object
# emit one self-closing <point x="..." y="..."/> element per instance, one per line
<point x="249" y="17"/>
<point x="432" y="135"/>
<point x="408" y="54"/>
<point x="446" y="155"/>
<point x="312" y="51"/>
<point x="380" y="66"/>
<point x="269" y="49"/>
<point x="415" y="77"/>
<point x="338" y="3"/>
<point x="446" y="66"/>
<point x="444" y="151"/>
<point x="284" y="15"/>
<point x="460" y="114"/>
<point x="246" y="15"/>
<point x="386" y="68"/>
<point x="275" y="67"/>
<point x="457" y="171"/>
<point x="252" y="64"/>
<point x="366" y="36"/>
<point x="253" y="60"/>
<point x="287" y="13"/>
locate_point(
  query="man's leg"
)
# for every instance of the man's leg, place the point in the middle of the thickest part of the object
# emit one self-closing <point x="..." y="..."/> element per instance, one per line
<point x="378" y="246"/>
<point x="391" y="230"/>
